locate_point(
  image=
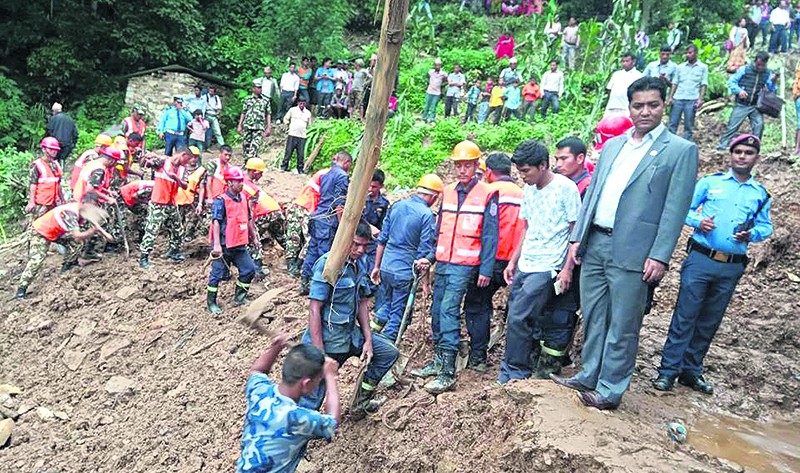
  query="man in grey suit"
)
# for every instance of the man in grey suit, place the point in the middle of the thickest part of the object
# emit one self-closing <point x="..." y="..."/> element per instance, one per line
<point x="625" y="234"/>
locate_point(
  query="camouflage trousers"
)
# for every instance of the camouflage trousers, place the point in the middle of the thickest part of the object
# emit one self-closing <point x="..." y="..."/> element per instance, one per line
<point x="117" y="222"/>
<point x="297" y="219"/>
<point x="138" y="221"/>
<point x="158" y="215"/>
<point x="37" y="252"/>
<point x="193" y="224"/>
<point x="251" y="141"/>
<point x="270" y="228"/>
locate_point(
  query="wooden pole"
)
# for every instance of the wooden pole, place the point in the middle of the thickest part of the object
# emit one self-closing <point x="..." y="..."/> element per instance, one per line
<point x="392" y="30"/>
<point x="783" y="109"/>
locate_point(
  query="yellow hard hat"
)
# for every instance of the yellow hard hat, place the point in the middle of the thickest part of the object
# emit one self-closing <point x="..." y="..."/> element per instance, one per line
<point x="103" y="140"/>
<point x="255" y="164"/>
<point x="432" y="182"/>
<point x="482" y="164"/>
<point x="194" y="150"/>
<point x="465" y="151"/>
<point x="121" y="143"/>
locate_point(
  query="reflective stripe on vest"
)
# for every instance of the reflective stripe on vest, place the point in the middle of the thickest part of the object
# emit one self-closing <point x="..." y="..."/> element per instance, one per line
<point x="459" y="239"/>
<point x="187" y="196"/>
<point x="46" y="190"/>
<point x="217" y="185"/>
<point x="87" y="156"/>
<point x="82" y="185"/>
<point x="509" y="200"/>
<point x="51" y="225"/>
<point x="164" y="187"/>
<point x="236" y="230"/>
<point x="309" y="195"/>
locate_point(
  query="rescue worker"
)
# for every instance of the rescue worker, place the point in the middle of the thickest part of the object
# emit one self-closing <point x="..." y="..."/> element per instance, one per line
<point x="215" y="176"/>
<point x="58" y="225"/>
<point x="298" y="213"/>
<point x="134" y="124"/>
<point x="375" y="210"/>
<point x="465" y="250"/>
<point x="136" y="195"/>
<point x="255" y="122"/>
<point x="45" y="180"/>
<point x="266" y="212"/>
<point x="325" y="220"/>
<point x="610" y="127"/>
<point x="338" y="323"/>
<point x="478" y="307"/>
<point x="729" y="210"/>
<point x="539" y="270"/>
<point x="405" y="246"/>
<point x="96" y="177"/>
<point x="186" y="199"/>
<point x="571" y="162"/>
<point x="170" y="175"/>
<point x="102" y="141"/>
<point x="481" y="171"/>
<point x="232" y="230"/>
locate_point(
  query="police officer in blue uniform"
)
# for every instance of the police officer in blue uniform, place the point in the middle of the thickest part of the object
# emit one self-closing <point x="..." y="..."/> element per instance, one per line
<point x="375" y="210"/>
<point x="325" y="220"/>
<point x="728" y="211"/>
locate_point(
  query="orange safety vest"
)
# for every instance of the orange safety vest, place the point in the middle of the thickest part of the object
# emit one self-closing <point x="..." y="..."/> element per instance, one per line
<point x="217" y="184"/>
<point x="129" y="191"/>
<point x="509" y="203"/>
<point x="459" y="240"/>
<point x="186" y="196"/>
<point x="265" y="204"/>
<point x="47" y="186"/>
<point x="132" y="126"/>
<point x="309" y="195"/>
<point x="165" y="189"/>
<point x="82" y="185"/>
<point x="236" y="218"/>
<point x="86" y="157"/>
<point x="52" y="224"/>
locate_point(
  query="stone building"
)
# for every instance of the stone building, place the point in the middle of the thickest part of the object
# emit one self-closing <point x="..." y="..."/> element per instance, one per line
<point x="154" y="89"/>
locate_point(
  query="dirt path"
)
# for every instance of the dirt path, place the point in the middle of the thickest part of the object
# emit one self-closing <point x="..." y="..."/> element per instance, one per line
<point x="181" y="409"/>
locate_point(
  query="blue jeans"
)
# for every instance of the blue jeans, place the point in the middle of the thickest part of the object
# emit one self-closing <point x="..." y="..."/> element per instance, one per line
<point x="429" y="112"/>
<point x="174" y="142"/>
<point x="764" y="25"/>
<point x="705" y="291"/>
<point x="478" y="309"/>
<point x="470" y="115"/>
<point x="384" y="354"/>
<point x="239" y="257"/>
<point x="794" y="32"/>
<point x="530" y="294"/>
<point x="483" y="112"/>
<point x="738" y="115"/>
<point x="685" y="108"/>
<point x="391" y="301"/>
<point x="319" y="242"/>
<point x="777" y="42"/>
<point x="550" y="99"/>
<point x="448" y="293"/>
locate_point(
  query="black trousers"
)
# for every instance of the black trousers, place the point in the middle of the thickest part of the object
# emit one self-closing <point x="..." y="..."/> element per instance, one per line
<point x="294" y="143"/>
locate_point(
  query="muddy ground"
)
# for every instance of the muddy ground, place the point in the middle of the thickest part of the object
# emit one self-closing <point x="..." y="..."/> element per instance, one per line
<point x="124" y="370"/>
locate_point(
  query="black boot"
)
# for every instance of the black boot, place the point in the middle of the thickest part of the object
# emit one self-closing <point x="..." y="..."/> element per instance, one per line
<point x="477" y="361"/>
<point x="175" y="255"/>
<point x="240" y="296"/>
<point x="211" y="300"/>
<point x="144" y="261"/>
<point x="365" y="402"/>
<point x="21" y="291"/>
<point x="304" y="286"/>
<point x="431" y="368"/>
<point x="548" y="364"/>
<point x="446" y="380"/>
<point x="67" y="265"/>
<point x="89" y="252"/>
<point x="111" y="248"/>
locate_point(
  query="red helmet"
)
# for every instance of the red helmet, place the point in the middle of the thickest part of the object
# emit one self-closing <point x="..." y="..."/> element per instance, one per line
<point x="609" y="127"/>
<point x="112" y="152"/>
<point x="51" y="143"/>
<point x="233" y="173"/>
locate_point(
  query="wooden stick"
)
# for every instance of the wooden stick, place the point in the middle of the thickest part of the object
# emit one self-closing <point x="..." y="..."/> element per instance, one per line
<point x="392" y="30"/>
<point x="314" y="154"/>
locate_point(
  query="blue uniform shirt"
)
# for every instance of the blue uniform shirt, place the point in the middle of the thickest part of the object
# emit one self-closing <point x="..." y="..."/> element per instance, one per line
<point x="408" y="234"/>
<point x="173" y="120"/>
<point x="340" y="303"/>
<point x="489" y="235"/>
<point x="276" y="430"/>
<point x="730" y="202"/>
<point x="375" y="211"/>
<point x="332" y="193"/>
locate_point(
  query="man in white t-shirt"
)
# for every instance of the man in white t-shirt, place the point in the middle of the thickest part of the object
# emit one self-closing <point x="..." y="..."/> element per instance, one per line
<point x="298" y="118"/>
<point x="618" y="86"/>
<point x="539" y="268"/>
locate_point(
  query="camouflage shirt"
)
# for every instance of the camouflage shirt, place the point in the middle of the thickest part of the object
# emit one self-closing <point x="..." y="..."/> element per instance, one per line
<point x="255" y="110"/>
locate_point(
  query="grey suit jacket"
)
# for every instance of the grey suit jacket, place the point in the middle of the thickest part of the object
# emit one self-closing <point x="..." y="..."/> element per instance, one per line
<point x="653" y="205"/>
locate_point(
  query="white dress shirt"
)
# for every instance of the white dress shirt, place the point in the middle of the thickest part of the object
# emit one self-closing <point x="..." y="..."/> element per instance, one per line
<point x="618" y="89"/>
<point x="553" y="82"/>
<point x="621" y="171"/>
<point x="290" y="82"/>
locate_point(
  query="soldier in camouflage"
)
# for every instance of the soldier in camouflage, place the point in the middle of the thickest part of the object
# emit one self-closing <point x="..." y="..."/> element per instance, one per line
<point x="297" y="218"/>
<point x="255" y="122"/>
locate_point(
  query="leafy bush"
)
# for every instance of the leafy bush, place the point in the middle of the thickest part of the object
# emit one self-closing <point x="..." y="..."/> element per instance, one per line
<point x="21" y="126"/>
<point x="14" y="167"/>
